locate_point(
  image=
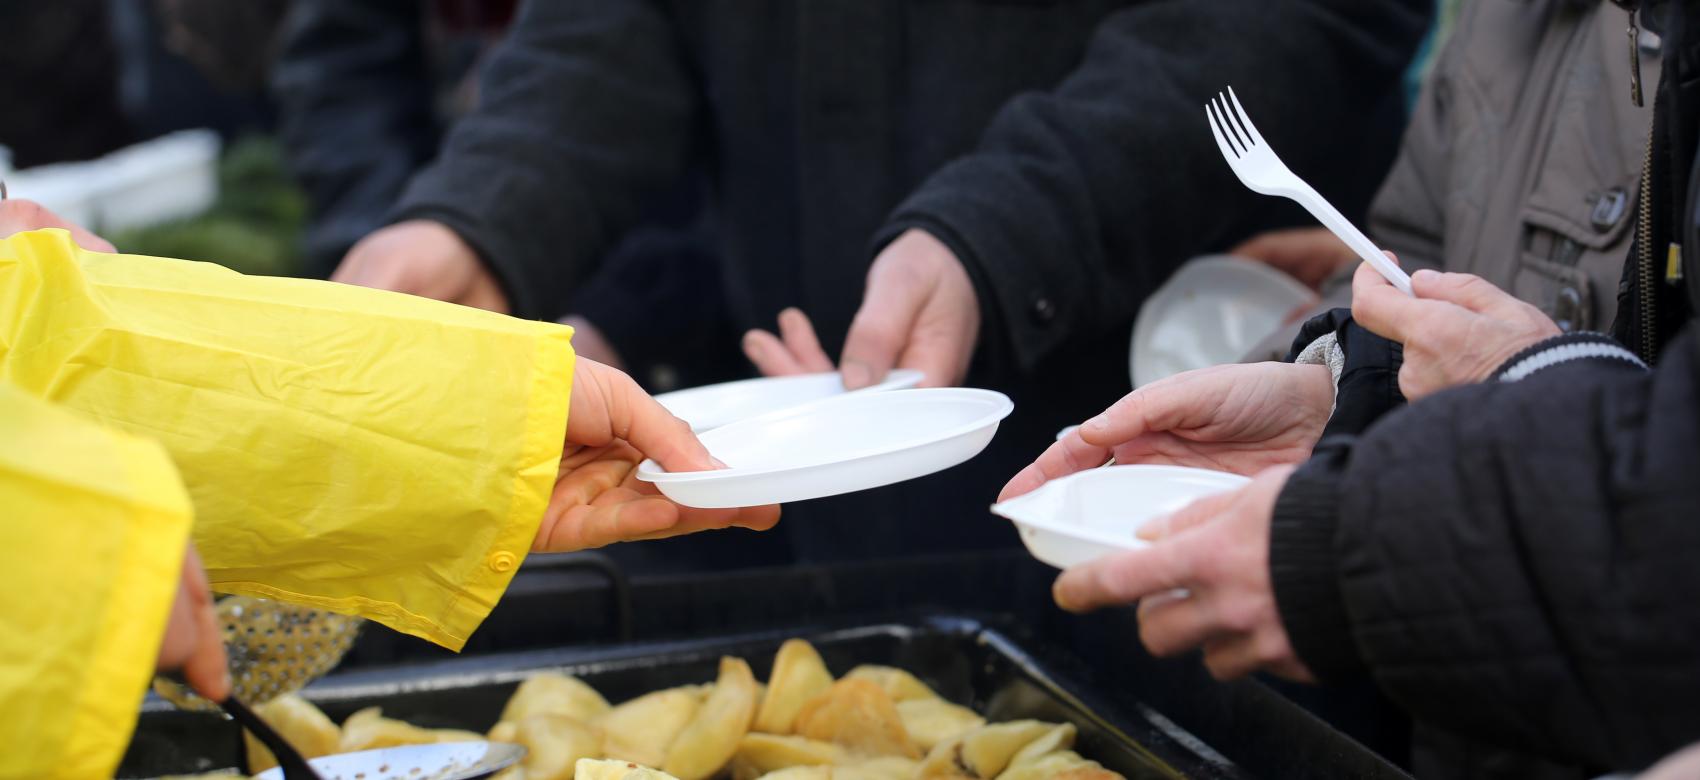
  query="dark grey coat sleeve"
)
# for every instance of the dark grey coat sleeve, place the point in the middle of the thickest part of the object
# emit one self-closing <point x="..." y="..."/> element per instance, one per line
<point x="1516" y="562"/>
<point x="552" y="171"/>
<point x="1081" y="199"/>
<point x="355" y="115"/>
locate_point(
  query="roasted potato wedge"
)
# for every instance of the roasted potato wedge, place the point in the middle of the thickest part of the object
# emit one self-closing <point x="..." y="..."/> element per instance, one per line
<point x="759" y="754"/>
<point x="712" y="737"/>
<point x="596" y="769"/>
<point x="898" y="684"/>
<point x="798" y="675"/>
<point x="883" y="768"/>
<point x="858" y="715"/>
<point x="984" y="752"/>
<point x="1059" y="738"/>
<point x="553" y="744"/>
<point x="310" y="731"/>
<point x="640" y="731"/>
<point x="931" y="721"/>
<point x="550" y="693"/>
<point x="1060" y="765"/>
<point x="368" y="729"/>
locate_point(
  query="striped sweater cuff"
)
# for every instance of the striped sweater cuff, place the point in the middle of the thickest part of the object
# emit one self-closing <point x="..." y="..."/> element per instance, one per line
<point x="1566" y="348"/>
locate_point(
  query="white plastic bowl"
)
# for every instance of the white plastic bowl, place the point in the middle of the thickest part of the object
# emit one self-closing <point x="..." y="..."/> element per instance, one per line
<point x="711" y="406"/>
<point x="1077" y="518"/>
<point x="841" y="444"/>
<point x="1212" y="311"/>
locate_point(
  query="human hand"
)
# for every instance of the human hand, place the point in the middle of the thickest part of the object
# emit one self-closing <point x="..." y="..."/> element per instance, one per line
<point x="1457" y="329"/>
<point x="193" y="642"/>
<point x="18" y="215"/>
<point x="1309" y="254"/>
<point x="919" y="311"/>
<point x="1241" y="418"/>
<point x="1204" y="581"/>
<point x="612" y="425"/>
<point x="424" y="258"/>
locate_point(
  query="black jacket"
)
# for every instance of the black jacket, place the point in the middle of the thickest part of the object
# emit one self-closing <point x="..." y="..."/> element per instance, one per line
<point x="1515" y="561"/>
<point x="1059" y="147"/>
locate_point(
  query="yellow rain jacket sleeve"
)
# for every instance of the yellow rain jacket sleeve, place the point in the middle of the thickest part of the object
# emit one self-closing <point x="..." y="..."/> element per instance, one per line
<point x="363" y="451"/>
<point x="93" y="524"/>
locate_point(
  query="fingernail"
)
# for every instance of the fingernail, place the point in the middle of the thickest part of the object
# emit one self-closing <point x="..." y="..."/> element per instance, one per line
<point x="752" y="346"/>
<point x="1097" y="423"/>
<point x="1059" y="594"/>
<point x="1424" y="275"/>
<point x="857" y="375"/>
<point x="718" y="463"/>
<point x="1153" y="529"/>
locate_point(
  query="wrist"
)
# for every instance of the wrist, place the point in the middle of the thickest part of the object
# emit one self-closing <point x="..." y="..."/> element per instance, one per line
<point x="1304" y="569"/>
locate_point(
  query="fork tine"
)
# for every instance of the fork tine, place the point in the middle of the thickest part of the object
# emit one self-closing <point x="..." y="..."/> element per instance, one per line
<point x="1228" y="150"/>
<point x="1226" y="128"/>
<point x="1233" y="126"/>
<point x="1239" y="113"/>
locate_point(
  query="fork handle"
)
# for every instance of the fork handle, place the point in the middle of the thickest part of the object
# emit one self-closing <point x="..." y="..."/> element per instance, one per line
<point x="1336" y="222"/>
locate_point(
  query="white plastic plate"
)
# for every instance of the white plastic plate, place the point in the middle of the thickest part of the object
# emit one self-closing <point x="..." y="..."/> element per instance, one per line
<point x="1082" y="516"/>
<point x="711" y="406"/>
<point x="1212" y="311"/>
<point x="841" y="444"/>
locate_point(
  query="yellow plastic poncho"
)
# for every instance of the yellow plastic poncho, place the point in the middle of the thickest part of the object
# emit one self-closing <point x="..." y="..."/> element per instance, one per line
<point x="369" y="452"/>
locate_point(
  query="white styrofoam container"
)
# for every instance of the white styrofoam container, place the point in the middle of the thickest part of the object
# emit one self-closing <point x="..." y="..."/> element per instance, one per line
<point x="1074" y="519"/>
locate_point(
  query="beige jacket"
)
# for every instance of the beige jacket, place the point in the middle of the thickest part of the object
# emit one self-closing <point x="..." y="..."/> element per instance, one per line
<point x="1522" y="160"/>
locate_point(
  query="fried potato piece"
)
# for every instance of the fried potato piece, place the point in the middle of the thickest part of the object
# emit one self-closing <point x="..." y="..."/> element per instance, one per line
<point x="639" y="731"/>
<point x="984" y="752"/>
<point x="759" y="754"/>
<point x="1059" y="765"/>
<point x="457" y="735"/>
<point x="368" y="729"/>
<point x="310" y="731"/>
<point x="798" y="675"/>
<point x="1059" y="738"/>
<point x="858" y="715"/>
<point x="931" y="721"/>
<point x="708" y="743"/>
<point x="556" y="694"/>
<point x="553" y="744"/>
<point x="886" y="768"/>
<point x="800" y="773"/>
<point x="898" y="684"/>
<point x="882" y="768"/>
<point x="601" y="769"/>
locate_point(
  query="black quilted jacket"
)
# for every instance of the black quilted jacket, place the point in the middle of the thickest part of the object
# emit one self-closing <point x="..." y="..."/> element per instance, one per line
<point x="1517" y="562"/>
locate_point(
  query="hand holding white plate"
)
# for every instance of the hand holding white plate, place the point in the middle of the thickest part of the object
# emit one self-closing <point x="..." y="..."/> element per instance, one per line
<point x="711" y="406"/>
<point x="842" y="444"/>
<point x="1082" y="516"/>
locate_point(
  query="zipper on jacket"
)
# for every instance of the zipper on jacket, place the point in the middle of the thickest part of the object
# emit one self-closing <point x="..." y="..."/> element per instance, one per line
<point x="1644" y="253"/>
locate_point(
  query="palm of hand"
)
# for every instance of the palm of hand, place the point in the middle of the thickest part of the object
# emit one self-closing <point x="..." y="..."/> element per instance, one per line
<point x="598" y="501"/>
<point x="1270" y="414"/>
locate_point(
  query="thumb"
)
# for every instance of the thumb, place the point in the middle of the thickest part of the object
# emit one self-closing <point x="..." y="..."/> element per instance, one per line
<point x="1191" y="516"/>
<point x="1379" y="306"/>
<point x="880" y="330"/>
<point x="607" y="404"/>
<point x="1467" y="290"/>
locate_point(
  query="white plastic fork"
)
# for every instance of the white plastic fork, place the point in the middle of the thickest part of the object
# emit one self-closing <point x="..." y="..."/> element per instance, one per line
<point x="1259" y="169"/>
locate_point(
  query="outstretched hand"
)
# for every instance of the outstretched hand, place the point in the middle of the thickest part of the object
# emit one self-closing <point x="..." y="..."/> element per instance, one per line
<point x="612" y="425"/>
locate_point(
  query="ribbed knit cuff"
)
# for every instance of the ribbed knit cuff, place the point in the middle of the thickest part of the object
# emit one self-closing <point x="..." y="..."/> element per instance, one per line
<point x="1304" y="570"/>
<point x="1566" y="348"/>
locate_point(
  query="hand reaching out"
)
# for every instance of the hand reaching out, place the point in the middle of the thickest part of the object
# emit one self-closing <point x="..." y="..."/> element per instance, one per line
<point x="1240" y="418"/>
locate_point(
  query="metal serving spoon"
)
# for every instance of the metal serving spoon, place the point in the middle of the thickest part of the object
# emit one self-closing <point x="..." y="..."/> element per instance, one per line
<point x="443" y="761"/>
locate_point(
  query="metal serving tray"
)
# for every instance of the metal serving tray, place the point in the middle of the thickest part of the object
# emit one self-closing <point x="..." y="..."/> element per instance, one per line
<point x="966" y="660"/>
